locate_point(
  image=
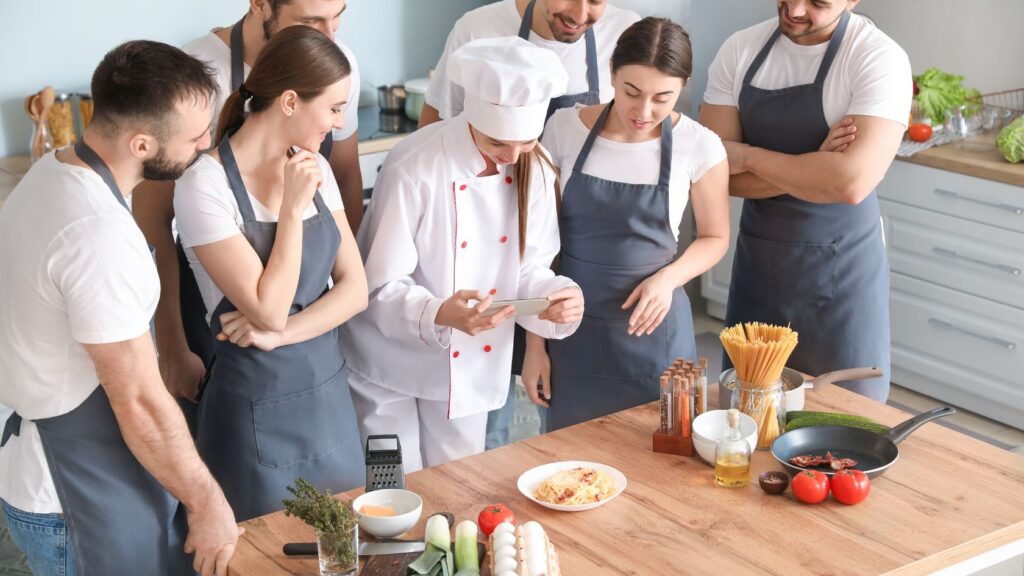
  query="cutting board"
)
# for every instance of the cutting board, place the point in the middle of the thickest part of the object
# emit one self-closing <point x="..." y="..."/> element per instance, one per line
<point x="395" y="564"/>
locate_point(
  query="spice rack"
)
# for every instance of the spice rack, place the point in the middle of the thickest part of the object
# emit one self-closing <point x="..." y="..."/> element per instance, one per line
<point x="683" y="398"/>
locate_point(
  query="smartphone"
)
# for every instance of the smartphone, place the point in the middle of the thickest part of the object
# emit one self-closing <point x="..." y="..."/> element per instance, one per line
<point x="292" y="151"/>
<point x="528" y="307"/>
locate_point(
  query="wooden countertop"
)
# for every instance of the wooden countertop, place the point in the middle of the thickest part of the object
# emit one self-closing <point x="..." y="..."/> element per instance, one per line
<point x="975" y="156"/>
<point x="947" y="499"/>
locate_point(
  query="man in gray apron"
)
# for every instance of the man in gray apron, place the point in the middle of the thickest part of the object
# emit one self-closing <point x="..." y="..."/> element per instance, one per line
<point x="184" y="346"/>
<point x="602" y="368"/>
<point x="809" y="253"/>
<point x="115" y="450"/>
<point x="268" y="417"/>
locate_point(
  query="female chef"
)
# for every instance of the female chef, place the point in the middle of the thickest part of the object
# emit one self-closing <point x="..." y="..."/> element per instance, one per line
<point x="463" y="217"/>
<point x="263" y="225"/>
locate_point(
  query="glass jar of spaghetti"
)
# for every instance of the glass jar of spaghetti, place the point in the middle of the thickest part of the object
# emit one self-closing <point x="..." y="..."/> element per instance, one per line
<point x="766" y="404"/>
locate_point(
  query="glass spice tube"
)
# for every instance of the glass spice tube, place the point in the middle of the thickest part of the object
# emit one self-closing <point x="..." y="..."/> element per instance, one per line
<point x="666" y="405"/>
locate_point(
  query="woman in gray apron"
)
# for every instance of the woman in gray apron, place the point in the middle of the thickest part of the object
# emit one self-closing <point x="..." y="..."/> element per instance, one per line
<point x="268" y="416"/>
<point x="618" y="239"/>
<point x="97" y="477"/>
<point x="820" y="268"/>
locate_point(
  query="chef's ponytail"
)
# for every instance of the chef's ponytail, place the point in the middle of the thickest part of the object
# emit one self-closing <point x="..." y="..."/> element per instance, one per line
<point x="297" y="58"/>
<point x="523" y="172"/>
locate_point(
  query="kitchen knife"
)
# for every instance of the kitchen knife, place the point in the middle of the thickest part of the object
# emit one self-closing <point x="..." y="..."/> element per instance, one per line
<point x="365" y="548"/>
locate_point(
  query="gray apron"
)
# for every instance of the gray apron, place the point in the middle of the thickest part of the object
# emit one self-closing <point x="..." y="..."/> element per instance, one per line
<point x="97" y="478"/>
<point x="266" y="418"/>
<point x="614" y="236"/>
<point x="821" y="268"/>
<point x="591" y="96"/>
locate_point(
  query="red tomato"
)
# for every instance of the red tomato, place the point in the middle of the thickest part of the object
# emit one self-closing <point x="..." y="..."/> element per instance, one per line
<point x="810" y="486"/>
<point x="493" y="515"/>
<point x="920" y="132"/>
<point x="850" y="486"/>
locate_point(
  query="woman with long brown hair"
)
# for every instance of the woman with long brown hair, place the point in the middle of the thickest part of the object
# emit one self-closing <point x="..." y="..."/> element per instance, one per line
<point x="463" y="218"/>
<point x="265" y="231"/>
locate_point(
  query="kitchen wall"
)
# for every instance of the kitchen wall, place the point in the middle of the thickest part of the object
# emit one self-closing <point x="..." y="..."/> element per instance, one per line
<point x="59" y="42"/>
<point x="981" y="39"/>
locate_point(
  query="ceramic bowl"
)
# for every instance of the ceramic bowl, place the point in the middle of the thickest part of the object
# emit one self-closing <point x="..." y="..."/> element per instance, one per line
<point x="709" y="428"/>
<point x="408" y="507"/>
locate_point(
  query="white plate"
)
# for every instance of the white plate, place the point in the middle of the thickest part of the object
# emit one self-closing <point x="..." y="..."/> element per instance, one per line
<point x="531" y="480"/>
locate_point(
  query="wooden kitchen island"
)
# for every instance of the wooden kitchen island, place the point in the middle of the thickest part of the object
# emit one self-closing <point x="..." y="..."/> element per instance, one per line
<point x="949" y="501"/>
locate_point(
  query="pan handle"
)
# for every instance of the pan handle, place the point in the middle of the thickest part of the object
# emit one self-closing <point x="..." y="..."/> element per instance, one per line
<point x="847" y="374"/>
<point x="900" y="431"/>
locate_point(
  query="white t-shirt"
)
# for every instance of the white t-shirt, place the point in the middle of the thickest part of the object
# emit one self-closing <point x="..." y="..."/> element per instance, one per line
<point x="695" y="150"/>
<point x="212" y="50"/>
<point x="207" y="212"/>
<point x="503" y="19"/>
<point x="870" y="75"/>
<point x="76" y="270"/>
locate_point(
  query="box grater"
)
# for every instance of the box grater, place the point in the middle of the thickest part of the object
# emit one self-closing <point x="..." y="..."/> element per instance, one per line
<point x="384" y="462"/>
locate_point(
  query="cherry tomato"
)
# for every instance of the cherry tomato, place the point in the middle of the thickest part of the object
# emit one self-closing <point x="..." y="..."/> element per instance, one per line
<point x="810" y="486"/>
<point x="850" y="486"/>
<point x="920" y="132"/>
<point x="493" y="515"/>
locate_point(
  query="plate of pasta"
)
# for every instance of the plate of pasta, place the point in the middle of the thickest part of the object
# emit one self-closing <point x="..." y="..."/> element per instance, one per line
<point x="572" y="485"/>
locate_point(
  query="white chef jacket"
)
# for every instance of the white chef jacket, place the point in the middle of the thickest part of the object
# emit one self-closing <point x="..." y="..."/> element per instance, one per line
<point x="433" y="228"/>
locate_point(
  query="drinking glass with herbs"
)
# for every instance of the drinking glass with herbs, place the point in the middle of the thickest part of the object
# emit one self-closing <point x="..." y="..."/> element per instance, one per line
<point x="337" y="532"/>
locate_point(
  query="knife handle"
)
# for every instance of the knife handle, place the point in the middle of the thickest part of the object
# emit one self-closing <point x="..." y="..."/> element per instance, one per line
<point x="300" y="549"/>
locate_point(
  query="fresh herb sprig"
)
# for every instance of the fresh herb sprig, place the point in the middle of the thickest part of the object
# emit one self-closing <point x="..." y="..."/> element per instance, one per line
<point x="327" y="515"/>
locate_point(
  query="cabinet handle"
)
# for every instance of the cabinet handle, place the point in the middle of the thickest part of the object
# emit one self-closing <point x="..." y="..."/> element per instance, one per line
<point x="993" y="339"/>
<point x="953" y="254"/>
<point x="1001" y="206"/>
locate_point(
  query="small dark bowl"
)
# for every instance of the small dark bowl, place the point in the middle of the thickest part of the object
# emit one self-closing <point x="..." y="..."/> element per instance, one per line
<point x="773" y="482"/>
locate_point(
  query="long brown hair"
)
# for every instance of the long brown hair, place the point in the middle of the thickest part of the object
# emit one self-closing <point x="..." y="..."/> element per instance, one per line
<point x="656" y="42"/>
<point x="523" y="174"/>
<point x="297" y="58"/>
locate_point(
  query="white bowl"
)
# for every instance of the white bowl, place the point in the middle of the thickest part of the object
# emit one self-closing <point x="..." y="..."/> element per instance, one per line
<point x="408" y="507"/>
<point x="709" y="428"/>
<point x="530" y="481"/>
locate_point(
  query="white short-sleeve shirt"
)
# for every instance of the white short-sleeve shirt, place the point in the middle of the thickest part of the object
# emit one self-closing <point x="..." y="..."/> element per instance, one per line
<point x="870" y="75"/>
<point x="502" y="19"/>
<point x="212" y="50"/>
<point x="695" y="150"/>
<point x="76" y="270"/>
<point x="207" y="212"/>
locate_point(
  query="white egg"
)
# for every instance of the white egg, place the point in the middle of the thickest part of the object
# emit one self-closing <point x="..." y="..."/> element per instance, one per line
<point x="532" y="526"/>
<point x="535" y="541"/>
<point x="505" y="539"/>
<point x="504" y="528"/>
<point x="504" y="552"/>
<point x="537" y="566"/>
<point x="505" y="565"/>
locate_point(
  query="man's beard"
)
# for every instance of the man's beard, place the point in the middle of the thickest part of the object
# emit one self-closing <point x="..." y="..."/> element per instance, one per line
<point x="162" y="168"/>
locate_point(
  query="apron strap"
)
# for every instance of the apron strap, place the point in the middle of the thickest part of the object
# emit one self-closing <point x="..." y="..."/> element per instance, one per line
<point x="581" y="159"/>
<point x="321" y="206"/>
<point x="527" y="23"/>
<point x="761" y="57"/>
<point x="235" y="181"/>
<point x="11" y="428"/>
<point x="593" y="78"/>
<point x="93" y="160"/>
<point x="237" y="56"/>
<point x="833" y="48"/>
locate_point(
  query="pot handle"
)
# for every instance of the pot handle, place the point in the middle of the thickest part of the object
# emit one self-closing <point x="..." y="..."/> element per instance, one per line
<point x="846" y="375"/>
<point x="900" y="431"/>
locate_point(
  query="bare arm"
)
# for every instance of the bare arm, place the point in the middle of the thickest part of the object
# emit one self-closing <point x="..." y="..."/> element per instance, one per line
<point x="265" y="295"/>
<point x="345" y="165"/>
<point x="428" y="115"/>
<point x="155" y="432"/>
<point x="344" y="300"/>
<point x="829" y="177"/>
<point x="153" y="208"/>
<point x="725" y="121"/>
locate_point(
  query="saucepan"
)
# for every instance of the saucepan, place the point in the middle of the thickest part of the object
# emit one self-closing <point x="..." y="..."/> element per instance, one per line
<point x="874" y="453"/>
<point x="391" y="98"/>
<point x="795" y="383"/>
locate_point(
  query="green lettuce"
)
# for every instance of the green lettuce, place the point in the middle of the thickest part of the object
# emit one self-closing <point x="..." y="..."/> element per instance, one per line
<point x="1011" y="141"/>
<point x="939" y="91"/>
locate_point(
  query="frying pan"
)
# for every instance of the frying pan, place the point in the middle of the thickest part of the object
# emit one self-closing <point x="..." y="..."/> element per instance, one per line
<point x="874" y="453"/>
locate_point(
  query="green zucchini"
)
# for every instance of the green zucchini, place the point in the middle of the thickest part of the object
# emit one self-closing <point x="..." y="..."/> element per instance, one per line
<point x="804" y="418"/>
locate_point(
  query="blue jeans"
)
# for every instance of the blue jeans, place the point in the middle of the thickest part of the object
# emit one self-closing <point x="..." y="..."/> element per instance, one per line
<point x="43" y="538"/>
<point x="499" y="421"/>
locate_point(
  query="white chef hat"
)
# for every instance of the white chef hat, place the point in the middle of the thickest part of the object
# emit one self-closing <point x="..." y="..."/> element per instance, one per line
<point x="508" y="84"/>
